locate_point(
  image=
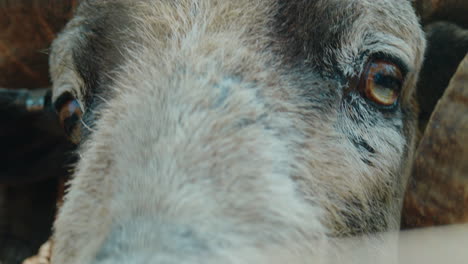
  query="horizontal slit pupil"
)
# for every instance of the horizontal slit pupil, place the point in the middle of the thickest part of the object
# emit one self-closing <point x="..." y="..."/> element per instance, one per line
<point x="387" y="81"/>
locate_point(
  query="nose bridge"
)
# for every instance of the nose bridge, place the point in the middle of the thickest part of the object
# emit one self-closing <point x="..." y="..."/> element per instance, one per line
<point x="197" y="127"/>
<point x="201" y="151"/>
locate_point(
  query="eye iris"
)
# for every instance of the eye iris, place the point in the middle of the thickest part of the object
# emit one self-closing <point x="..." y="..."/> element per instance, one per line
<point x="382" y="83"/>
<point x="385" y="95"/>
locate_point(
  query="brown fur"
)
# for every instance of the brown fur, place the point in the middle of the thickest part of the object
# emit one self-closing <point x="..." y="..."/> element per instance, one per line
<point x="213" y="127"/>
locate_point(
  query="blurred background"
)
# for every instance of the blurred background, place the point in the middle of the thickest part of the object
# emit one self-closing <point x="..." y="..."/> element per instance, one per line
<point x="35" y="157"/>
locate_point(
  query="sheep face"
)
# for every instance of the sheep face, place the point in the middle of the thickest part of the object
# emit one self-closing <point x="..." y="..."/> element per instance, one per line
<point x="213" y="126"/>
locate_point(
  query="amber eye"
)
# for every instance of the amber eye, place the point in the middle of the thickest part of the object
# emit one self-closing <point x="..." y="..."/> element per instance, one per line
<point x="381" y="82"/>
<point x="69" y="113"/>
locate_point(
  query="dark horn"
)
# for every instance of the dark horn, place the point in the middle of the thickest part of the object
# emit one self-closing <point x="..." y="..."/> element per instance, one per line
<point x="438" y="190"/>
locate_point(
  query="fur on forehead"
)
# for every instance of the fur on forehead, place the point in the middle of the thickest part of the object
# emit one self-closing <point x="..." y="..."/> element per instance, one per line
<point x="299" y="30"/>
<point x="92" y="45"/>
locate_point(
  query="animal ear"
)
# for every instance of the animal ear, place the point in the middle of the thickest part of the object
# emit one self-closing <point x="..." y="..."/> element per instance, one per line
<point x="438" y="190"/>
<point x="446" y="26"/>
<point x="447" y="46"/>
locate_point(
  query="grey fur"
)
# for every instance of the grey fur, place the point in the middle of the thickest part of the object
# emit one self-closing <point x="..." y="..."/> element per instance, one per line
<point x="236" y="121"/>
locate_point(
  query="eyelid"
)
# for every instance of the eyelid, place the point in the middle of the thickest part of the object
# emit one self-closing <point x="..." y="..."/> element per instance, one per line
<point x="403" y="67"/>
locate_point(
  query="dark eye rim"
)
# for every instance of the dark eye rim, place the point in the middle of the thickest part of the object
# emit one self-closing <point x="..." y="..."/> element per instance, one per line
<point x="403" y="67"/>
